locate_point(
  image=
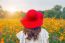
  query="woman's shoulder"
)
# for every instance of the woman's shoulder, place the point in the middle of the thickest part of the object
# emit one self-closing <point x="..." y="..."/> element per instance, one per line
<point x="44" y="30"/>
<point x="20" y="35"/>
<point x="20" y="32"/>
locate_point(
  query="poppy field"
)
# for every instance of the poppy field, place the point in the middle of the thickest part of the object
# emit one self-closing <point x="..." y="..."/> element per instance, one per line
<point x="9" y="28"/>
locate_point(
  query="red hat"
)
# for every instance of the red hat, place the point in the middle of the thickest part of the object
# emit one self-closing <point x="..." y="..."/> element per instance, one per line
<point x="32" y="19"/>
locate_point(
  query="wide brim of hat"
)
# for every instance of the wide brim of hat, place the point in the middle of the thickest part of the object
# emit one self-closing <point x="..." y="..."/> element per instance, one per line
<point x="32" y="24"/>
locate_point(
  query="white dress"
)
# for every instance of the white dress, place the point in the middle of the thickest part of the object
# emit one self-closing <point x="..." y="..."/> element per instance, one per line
<point x="43" y="37"/>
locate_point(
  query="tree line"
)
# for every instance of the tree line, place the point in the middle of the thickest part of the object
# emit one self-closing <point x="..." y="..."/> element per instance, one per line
<point x="57" y="12"/>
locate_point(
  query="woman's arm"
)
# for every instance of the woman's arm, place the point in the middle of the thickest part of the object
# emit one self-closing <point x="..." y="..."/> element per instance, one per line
<point x="47" y="40"/>
<point x="45" y="36"/>
<point x="20" y="36"/>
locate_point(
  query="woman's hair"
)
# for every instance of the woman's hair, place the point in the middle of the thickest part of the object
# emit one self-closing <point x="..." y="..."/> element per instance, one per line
<point x="32" y="33"/>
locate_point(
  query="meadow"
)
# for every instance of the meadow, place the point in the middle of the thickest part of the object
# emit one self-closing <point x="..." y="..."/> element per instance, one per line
<point x="9" y="28"/>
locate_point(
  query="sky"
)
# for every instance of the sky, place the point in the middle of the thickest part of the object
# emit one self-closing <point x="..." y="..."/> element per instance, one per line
<point x="25" y="5"/>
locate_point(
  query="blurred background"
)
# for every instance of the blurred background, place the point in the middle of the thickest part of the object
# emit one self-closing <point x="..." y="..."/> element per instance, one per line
<point x="12" y="11"/>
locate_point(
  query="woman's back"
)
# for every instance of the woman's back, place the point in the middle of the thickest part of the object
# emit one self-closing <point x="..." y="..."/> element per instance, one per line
<point x="42" y="38"/>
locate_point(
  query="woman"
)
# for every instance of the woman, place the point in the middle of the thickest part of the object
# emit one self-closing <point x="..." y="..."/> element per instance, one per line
<point x="32" y="32"/>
